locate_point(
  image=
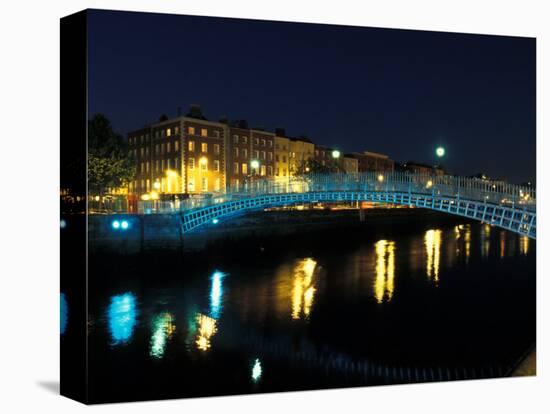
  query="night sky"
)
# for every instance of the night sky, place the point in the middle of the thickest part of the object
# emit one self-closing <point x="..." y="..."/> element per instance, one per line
<point x="398" y="92"/>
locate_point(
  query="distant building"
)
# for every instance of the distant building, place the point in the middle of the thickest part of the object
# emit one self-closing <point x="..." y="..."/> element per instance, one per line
<point x="282" y="145"/>
<point x="301" y="150"/>
<point x="373" y="161"/>
<point x="419" y="168"/>
<point x="349" y="164"/>
<point x="324" y="156"/>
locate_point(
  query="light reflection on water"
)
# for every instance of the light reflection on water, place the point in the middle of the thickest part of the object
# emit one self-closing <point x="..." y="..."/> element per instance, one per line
<point x="385" y="270"/>
<point x="294" y="290"/>
<point x="163" y="329"/>
<point x="432" y="241"/>
<point x="122" y="315"/>
<point x="303" y="288"/>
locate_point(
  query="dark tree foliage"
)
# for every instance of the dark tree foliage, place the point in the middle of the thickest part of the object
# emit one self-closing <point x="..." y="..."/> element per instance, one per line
<point x="110" y="164"/>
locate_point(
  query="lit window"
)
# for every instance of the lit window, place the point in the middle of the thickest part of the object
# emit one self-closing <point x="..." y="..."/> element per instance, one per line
<point x="191" y="145"/>
<point x="217" y="185"/>
<point x="168" y="132"/>
<point x="204" y="147"/>
<point x="191" y="163"/>
<point x="216" y="165"/>
<point x="204" y="132"/>
<point x="262" y="169"/>
<point x="244" y="168"/>
<point x="191" y="130"/>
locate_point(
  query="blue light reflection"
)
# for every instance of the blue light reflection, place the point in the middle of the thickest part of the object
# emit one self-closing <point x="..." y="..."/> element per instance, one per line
<point x="64" y="317"/>
<point x="216" y="294"/>
<point x="122" y="317"/>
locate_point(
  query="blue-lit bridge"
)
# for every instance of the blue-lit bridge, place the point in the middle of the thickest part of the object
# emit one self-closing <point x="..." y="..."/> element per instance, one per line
<point x="503" y="205"/>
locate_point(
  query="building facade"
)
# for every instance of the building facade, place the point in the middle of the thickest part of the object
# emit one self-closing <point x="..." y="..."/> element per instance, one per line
<point x="301" y="150"/>
<point x="179" y="155"/>
<point x="373" y="161"/>
<point x="282" y="150"/>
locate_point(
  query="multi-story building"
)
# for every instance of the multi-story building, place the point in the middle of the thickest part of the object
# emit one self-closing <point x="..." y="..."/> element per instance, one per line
<point x="372" y="161"/>
<point x="349" y="164"/>
<point x="419" y="168"/>
<point x="263" y="151"/>
<point x="193" y="155"/>
<point x="239" y="155"/>
<point x="282" y="145"/>
<point x="179" y="155"/>
<point x="301" y="150"/>
<point x="327" y="157"/>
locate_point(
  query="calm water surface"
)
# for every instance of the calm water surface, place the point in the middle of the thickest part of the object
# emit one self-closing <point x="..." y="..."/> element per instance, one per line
<point x="391" y="306"/>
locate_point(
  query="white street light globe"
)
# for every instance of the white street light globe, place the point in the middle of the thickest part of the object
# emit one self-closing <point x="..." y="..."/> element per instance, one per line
<point x="440" y="151"/>
<point x="255" y="164"/>
<point x="335" y="154"/>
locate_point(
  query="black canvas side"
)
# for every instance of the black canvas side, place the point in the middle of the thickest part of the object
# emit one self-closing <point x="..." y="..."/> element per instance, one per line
<point x="73" y="173"/>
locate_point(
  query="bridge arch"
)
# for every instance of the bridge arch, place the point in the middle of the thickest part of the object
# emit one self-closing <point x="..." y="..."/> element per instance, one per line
<point x="508" y="207"/>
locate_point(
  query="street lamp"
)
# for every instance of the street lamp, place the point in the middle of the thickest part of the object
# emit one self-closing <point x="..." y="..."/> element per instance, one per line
<point x="440" y="151"/>
<point x="335" y="154"/>
<point x="255" y="164"/>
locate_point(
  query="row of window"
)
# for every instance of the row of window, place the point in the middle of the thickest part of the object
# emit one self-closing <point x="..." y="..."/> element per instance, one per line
<point x="204" y="147"/>
<point x="244" y="139"/>
<point x="171" y="186"/>
<point x="168" y="132"/>
<point x="255" y="154"/>
<point x="243" y="169"/>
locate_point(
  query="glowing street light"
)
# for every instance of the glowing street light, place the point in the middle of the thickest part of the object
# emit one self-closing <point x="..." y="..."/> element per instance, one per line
<point x="255" y="164"/>
<point x="203" y="160"/>
<point x="335" y="154"/>
<point x="156" y="185"/>
<point x="429" y="184"/>
<point x="380" y="178"/>
<point x="440" y="151"/>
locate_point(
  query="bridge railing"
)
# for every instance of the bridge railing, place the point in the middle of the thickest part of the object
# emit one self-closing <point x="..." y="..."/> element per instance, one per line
<point x="396" y="182"/>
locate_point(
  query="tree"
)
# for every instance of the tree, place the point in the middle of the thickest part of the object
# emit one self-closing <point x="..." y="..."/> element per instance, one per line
<point x="311" y="166"/>
<point x="110" y="164"/>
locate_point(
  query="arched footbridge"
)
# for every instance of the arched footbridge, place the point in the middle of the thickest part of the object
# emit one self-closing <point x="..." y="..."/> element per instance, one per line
<point x="503" y="205"/>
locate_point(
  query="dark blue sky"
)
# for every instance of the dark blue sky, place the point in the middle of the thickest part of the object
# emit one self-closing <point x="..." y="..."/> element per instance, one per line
<point x="399" y="92"/>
